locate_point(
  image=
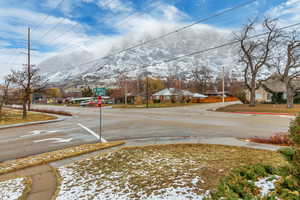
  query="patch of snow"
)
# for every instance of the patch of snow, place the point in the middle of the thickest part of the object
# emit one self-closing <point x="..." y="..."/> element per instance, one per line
<point x="12" y="189"/>
<point x="266" y="185"/>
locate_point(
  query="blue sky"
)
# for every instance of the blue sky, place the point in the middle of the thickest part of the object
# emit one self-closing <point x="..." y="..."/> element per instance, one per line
<point x="96" y="24"/>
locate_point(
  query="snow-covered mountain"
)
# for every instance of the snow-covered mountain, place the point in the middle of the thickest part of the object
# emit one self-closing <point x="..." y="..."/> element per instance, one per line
<point x="135" y="62"/>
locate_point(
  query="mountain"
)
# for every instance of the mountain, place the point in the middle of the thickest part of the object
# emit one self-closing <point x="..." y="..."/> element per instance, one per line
<point x="135" y="62"/>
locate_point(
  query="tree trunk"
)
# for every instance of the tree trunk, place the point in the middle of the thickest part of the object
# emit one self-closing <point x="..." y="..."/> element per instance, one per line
<point x="24" y="108"/>
<point x="252" y="93"/>
<point x="289" y="96"/>
<point x="29" y="104"/>
<point x="1" y="112"/>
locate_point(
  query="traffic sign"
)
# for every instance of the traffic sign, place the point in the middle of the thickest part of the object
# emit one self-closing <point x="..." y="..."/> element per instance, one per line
<point x="99" y="100"/>
<point x="99" y="91"/>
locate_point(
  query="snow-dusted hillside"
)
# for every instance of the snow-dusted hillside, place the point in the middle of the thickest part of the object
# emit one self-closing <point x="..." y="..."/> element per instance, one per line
<point x="69" y="68"/>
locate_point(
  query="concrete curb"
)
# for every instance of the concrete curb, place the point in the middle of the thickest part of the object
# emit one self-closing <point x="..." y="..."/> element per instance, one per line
<point x="264" y="113"/>
<point x="34" y="123"/>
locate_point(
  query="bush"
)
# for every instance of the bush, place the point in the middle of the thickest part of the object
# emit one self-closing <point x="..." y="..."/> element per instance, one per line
<point x="240" y="183"/>
<point x="241" y="95"/>
<point x="278" y="139"/>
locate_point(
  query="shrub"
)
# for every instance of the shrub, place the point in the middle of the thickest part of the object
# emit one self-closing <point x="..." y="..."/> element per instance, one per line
<point x="240" y="183"/>
<point x="278" y="139"/>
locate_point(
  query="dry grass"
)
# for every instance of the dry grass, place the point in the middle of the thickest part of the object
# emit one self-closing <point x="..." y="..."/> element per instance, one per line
<point x="139" y="172"/>
<point x="11" y="116"/>
<point x="263" y="108"/>
<point x="154" y="105"/>
<point x="14" y="165"/>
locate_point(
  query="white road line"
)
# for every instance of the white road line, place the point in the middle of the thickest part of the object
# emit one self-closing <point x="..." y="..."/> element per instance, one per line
<point x="92" y="132"/>
<point x="38" y="132"/>
<point x="56" y="140"/>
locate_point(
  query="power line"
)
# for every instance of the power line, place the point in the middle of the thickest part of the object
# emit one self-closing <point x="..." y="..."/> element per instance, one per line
<point x="72" y="27"/>
<point x="175" y="31"/>
<point x="47" y="16"/>
<point x="211" y="48"/>
<point x="214" y="48"/>
<point x="118" y="24"/>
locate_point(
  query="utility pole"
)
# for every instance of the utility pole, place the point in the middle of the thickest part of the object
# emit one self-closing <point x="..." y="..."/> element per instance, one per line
<point x="126" y="91"/>
<point x="223" y="85"/>
<point x="29" y="71"/>
<point x="147" y="89"/>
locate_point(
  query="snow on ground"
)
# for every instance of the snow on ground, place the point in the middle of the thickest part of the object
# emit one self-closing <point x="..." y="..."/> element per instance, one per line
<point x="267" y="184"/>
<point x="90" y="181"/>
<point x="12" y="189"/>
<point x="166" y="172"/>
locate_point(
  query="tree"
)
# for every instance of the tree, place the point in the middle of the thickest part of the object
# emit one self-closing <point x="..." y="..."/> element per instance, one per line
<point x="27" y="81"/>
<point x="53" y="92"/>
<point x="87" y="92"/>
<point x="287" y="64"/>
<point x="202" y="76"/>
<point x="4" y="94"/>
<point x="255" y="52"/>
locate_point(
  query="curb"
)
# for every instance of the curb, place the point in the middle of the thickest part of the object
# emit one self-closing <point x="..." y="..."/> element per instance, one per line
<point x="33" y="123"/>
<point x="259" y="113"/>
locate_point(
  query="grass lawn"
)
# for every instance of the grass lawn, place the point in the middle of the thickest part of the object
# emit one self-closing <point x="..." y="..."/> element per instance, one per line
<point x="179" y="171"/>
<point x="154" y="105"/>
<point x="265" y="108"/>
<point x="11" y="116"/>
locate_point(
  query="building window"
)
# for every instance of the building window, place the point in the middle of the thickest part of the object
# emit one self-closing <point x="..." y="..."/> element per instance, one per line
<point x="258" y="96"/>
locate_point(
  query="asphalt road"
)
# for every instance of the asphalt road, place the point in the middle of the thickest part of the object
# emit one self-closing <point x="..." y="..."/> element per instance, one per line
<point x="118" y="124"/>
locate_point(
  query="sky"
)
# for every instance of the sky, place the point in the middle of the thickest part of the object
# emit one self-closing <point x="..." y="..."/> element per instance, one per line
<point x="59" y="27"/>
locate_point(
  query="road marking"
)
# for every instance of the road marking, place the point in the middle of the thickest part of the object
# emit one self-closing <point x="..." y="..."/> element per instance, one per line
<point x="56" y="140"/>
<point x="92" y="132"/>
<point x="38" y="132"/>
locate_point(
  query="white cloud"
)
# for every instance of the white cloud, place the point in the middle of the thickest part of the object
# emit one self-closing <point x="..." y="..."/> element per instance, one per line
<point x="114" y="5"/>
<point x="287" y="12"/>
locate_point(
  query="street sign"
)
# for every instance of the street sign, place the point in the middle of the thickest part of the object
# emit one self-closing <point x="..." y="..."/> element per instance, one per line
<point x="99" y="100"/>
<point x="100" y="105"/>
<point x="99" y="91"/>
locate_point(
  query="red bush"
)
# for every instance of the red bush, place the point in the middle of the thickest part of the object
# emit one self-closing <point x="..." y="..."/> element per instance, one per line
<point x="278" y="139"/>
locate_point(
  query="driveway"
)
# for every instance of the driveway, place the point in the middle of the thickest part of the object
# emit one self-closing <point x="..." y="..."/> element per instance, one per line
<point x="187" y="121"/>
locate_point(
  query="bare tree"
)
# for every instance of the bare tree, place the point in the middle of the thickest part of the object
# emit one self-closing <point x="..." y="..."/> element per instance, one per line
<point x="202" y="76"/>
<point x="27" y="82"/>
<point x="287" y="64"/>
<point x="255" y="52"/>
<point x="4" y="94"/>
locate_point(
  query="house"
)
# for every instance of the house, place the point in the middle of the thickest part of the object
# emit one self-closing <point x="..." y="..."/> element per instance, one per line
<point x="172" y="95"/>
<point x="273" y="90"/>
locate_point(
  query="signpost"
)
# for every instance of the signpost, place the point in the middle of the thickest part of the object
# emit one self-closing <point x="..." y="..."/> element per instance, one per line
<point x="99" y="91"/>
<point x="100" y="105"/>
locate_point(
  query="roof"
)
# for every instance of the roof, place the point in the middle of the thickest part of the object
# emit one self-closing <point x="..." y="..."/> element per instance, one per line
<point x="173" y="92"/>
<point x="275" y="84"/>
<point x="198" y="95"/>
<point x="166" y="92"/>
